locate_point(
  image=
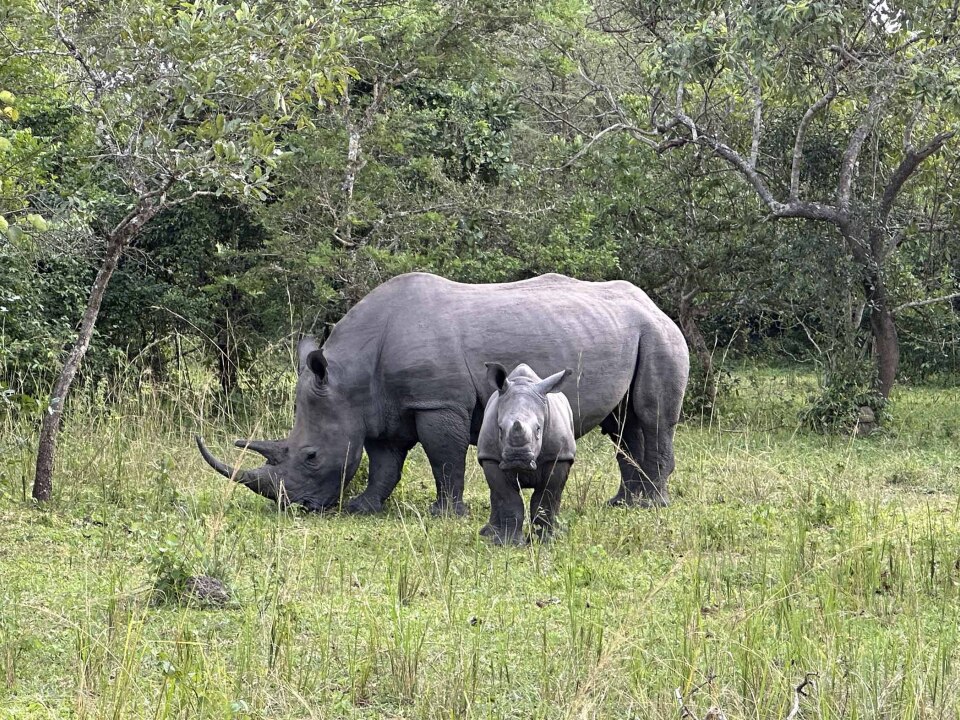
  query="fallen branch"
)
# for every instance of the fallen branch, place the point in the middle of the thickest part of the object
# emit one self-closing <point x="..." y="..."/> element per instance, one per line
<point x="686" y="712"/>
<point x="801" y="691"/>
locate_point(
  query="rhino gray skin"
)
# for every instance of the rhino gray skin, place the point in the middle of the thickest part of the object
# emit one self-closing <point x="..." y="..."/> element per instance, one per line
<point x="526" y="441"/>
<point x="406" y="365"/>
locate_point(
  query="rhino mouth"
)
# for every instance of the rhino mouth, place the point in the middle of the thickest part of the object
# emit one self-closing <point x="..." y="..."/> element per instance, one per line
<point x="518" y="461"/>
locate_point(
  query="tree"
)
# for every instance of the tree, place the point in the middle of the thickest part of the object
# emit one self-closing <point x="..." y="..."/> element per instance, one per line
<point x="716" y="77"/>
<point x="424" y="165"/>
<point x="179" y="101"/>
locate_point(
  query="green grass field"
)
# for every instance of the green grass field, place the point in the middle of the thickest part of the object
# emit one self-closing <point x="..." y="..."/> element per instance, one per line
<point x="784" y="553"/>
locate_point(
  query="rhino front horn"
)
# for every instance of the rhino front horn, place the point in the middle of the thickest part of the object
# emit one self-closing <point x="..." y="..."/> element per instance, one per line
<point x="221" y="467"/>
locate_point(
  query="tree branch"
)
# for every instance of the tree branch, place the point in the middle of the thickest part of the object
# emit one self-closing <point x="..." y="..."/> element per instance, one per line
<point x="922" y="303"/>
<point x="734" y="158"/>
<point x="852" y="153"/>
<point x="907" y="167"/>
<point x="590" y="143"/>
<point x="77" y="55"/>
<point x="757" y="122"/>
<point x="801" y="133"/>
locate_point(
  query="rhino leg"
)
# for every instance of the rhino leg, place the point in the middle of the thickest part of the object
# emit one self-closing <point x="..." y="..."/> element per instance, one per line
<point x="490" y="528"/>
<point x="506" y="506"/>
<point x="545" y="502"/>
<point x="445" y="436"/>
<point x="643" y="470"/>
<point x="386" y="466"/>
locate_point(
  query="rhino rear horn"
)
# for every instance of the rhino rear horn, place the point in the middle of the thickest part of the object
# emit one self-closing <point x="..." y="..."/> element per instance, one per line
<point x="272" y="450"/>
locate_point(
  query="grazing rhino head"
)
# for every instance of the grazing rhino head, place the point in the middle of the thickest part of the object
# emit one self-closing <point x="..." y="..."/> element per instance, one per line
<point x="316" y="463"/>
<point x="521" y="412"/>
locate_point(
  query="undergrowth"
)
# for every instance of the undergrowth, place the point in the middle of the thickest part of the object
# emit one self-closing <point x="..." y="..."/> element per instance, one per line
<point x="784" y="553"/>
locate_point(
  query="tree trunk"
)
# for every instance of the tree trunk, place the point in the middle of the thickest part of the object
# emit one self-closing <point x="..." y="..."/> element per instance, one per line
<point x="117" y="241"/>
<point x="696" y="341"/>
<point x="47" y="447"/>
<point x="886" y="343"/>
<point x="227" y="363"/>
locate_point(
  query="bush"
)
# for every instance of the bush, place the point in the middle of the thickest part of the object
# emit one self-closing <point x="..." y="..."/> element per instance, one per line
<point x="844" y="390"/>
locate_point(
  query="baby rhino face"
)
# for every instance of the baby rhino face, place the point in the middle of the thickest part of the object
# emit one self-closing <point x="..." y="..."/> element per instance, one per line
<point x="520" y="420"/>
<point x="521" y="414"/>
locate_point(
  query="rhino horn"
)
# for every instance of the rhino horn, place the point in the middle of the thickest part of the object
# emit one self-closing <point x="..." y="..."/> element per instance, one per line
<point x="516" y="432"/>
<point x="272" y="450"/>
<point x="221" y="467"/>
<point x="260" y="480"/>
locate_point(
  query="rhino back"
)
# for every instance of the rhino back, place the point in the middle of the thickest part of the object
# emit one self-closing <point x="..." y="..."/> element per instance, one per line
<point x="424" y="339"/>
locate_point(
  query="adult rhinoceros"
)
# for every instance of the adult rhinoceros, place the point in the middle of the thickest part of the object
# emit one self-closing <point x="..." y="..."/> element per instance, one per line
<point x="406" y="365"/>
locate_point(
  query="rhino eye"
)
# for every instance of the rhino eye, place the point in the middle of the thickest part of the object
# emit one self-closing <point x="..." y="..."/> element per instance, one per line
<point x="310" y="455"/>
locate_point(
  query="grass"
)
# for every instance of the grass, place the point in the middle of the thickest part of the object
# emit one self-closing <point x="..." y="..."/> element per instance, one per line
<point x="784" y="553"/>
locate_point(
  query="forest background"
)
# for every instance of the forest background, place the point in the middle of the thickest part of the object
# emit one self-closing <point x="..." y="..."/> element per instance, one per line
<point x="780" y="177"/>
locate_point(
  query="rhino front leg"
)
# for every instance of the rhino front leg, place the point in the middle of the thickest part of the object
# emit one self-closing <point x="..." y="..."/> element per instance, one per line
<point x="445" y="436"/>
<point x="386" y="466"/>
<point x="545" y="503"/>
<point x="506" y="506"/>
<point x="494" y="521"/>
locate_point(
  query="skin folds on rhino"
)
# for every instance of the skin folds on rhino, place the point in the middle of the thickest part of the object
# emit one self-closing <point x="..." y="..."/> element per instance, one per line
<point x="407" y="365"/>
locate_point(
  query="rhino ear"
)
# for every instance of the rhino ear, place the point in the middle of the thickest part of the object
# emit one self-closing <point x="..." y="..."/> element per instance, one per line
<point x="549" y="384"/>
<point x="496" y="376"/>
<point x="307" y="344"/>
<point x="318" y="365"/>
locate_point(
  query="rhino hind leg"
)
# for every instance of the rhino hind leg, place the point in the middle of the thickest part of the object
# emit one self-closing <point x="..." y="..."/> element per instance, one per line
<point x="645" y="459"/>
<point x="445" y="437"/>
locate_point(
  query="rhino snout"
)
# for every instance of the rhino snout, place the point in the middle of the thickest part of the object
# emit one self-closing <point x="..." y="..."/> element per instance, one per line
<point x="518" y="464"/>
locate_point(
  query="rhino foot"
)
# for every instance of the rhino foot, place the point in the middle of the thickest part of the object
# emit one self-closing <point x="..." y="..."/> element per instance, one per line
<point x="487" y="530"/>
<point x="638" y="501"/>
<point x="362" y="505"/>
<point x="503" y="539"/>
<point x="444" y="507"/>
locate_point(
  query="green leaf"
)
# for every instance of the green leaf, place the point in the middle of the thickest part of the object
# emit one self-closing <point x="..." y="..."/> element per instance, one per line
<point x="38" y="223"/>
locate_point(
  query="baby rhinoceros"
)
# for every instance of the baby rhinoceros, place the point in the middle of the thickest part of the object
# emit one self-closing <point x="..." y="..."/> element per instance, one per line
<point x="526" y="441"/>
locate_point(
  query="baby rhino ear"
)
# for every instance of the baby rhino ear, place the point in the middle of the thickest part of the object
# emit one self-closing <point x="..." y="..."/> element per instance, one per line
<point x="550" y="384"/>
<point x="496" y="376"/>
